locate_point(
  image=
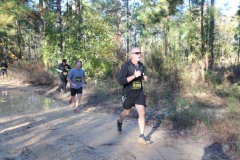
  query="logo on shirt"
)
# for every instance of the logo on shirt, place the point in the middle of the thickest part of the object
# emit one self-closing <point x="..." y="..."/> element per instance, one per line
<point x="136" y="85"/>
<point x="78" y="79"/>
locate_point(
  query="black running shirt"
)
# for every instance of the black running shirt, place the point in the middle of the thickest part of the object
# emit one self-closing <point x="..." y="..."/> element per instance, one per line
<point x="4" y="66"/>
<point x="65" y="68"/>
<point x="134" y="87"/>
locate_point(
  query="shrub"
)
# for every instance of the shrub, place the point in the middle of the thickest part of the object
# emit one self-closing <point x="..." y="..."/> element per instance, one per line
<point x="33" y="73"/>
<point x="213" y="77"/>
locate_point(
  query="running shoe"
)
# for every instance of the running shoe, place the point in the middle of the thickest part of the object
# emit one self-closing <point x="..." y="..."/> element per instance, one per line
<point x="143" y="140"/>
<point x="119" y="127"/>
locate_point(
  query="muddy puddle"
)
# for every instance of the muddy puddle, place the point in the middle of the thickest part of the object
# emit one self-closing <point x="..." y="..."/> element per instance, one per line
<point x="14" y="102"/>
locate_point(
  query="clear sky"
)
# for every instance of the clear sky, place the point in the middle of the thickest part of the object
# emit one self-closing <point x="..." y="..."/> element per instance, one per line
<point x="228" y="7"/>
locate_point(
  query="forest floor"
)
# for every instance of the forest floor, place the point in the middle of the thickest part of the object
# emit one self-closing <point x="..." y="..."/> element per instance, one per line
<point x="91" y="134"/>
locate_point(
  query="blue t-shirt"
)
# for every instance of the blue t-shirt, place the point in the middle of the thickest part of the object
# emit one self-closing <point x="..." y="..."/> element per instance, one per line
<point x="76" y="76"/>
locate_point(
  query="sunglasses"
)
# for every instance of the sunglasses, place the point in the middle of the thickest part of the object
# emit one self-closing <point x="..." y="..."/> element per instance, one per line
<point x="137" y="53"/>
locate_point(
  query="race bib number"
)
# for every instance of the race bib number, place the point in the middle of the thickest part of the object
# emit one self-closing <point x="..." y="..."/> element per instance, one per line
<point x="65" y="73"/>
<point x="136" y="85"/>
<point x="78" y="79"/>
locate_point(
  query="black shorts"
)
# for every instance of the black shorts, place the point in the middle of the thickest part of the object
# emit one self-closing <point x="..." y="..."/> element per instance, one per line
<point x="4" y="72"/>
<point x="76" y="91"/>
<point x="129" y="102"/>
<point x="63" y="80"/>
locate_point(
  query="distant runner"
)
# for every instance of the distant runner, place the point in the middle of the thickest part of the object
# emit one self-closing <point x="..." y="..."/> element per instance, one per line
<point x="131" y="76"/>
<point x="63" y="69"/>
<point x="77" y="79"/>
<point x="4" y="68"/>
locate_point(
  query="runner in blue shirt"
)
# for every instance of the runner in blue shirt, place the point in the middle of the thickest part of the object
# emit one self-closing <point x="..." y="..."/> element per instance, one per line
<point x="76" y="77"/>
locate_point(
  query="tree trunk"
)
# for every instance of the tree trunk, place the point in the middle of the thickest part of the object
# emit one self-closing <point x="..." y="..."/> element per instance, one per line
<point x="211" y="36"/>
<point x="190" y="8"/>
<point x="206" y="61"/>
<point x="41" y="11"/>
<point x="19" y="39"/>
<point x="59" y="26"/>
<point x="202" y="32"/>
<point x="6" y="50"/>
<point x="135" y="37"/>
<point x="127" y="26"/>
<point x="207" y="27"/>
<point x="29" y="47"/>
<point x="238" y="47"/>
<point x="166" y="46"/>
<point x="78" y="9"/>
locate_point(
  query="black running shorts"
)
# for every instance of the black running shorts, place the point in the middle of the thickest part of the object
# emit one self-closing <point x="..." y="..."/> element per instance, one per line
<point x="129" y="102"/>
<point x="4" y="72"/>
<point x="76" y="91"/>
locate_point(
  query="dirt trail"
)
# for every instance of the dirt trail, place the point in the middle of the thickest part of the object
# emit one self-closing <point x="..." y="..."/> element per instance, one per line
<point x="64" y="135"/>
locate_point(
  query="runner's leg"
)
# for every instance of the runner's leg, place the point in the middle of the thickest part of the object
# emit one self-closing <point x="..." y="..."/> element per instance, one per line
<point x="141" y="118"/>
<point x="73" y="93"/>
<point x="78" y="101"/>
<point x="62" y="83"/>
<point x="123" y="115"/>
<point x="65" y="85"/>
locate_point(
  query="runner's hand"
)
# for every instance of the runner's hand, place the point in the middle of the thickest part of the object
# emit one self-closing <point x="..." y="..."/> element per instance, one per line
<point x="145" y="78"/>
<point x="137" y="73"/>
<point x="85" y="85"/>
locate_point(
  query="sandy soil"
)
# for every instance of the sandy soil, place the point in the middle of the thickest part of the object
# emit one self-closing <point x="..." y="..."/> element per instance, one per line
<point x="90" y="135"/>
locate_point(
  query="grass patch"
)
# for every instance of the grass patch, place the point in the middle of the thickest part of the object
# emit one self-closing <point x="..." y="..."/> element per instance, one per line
<point x="213" y="77"/>
<point x="103" y="92"/>
<point x="233" y="108"/>
<point x="33" y="73"/>
<point x="185" y="114"/>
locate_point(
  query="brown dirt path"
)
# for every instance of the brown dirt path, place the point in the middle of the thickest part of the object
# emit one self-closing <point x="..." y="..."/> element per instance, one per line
<point x="64" y="135"/>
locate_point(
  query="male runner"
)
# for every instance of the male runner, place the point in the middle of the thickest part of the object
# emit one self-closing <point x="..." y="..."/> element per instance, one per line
<point x="4" y="68"/>
<point x="63" y="69"/>
<point x="76" y="78"/>
<point x="131" y="76"/>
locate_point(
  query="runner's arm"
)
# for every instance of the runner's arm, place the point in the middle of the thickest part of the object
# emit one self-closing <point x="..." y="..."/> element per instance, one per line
<point x="59" y="69"/>
<point x="69" y="80"/>
<point x="84" y="79"/>
<point x="69" y="76"/>
<point x="144" y="77"/>
<point x="122" y="77"/>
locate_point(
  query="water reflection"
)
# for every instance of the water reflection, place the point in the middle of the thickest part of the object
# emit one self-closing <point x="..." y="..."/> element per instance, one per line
<point x="3" y="95"/>
<point x="25" y="102"/>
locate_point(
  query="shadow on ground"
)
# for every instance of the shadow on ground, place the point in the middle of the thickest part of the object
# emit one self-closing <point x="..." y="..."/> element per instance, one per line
<point x="214" y="152"/>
